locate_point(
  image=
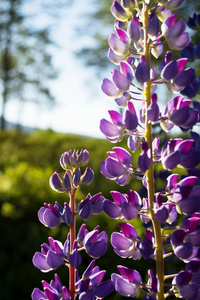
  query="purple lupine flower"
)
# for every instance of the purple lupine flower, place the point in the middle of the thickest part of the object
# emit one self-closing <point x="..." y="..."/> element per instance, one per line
<point x="153" y="111"/>
<point x="119" y="45"/>
<point x="95" y="243"/>
<point x="51" y="256"/>
<point x="130" y="117"/>
<point x="194" y="21"/>
<point x="175" y="34"/>
<point x="124" y="205"/>
<point x="186" y="287"/>
<point x="52" y="216"/>
<point x="125" y="243"/>
<point x="177" y="151"/>
<point x="183" y="249"/>
<point x="155" y="149"/>
<point x="186" y="196"/>
<point x="56" y="183"/>
<point x="146" y="247"/>
<point x="119" y="12"/>
<point x="192" y="89"/>
<point x="142" y="73"/>
<point x="188" y="52"/>
<point x="154" y="26"/>
<point x="55" y="290"/>
<point x="128" y="283"/>
<point x="75" y="257"/>
<point x="114" y="131"/>
<point x="133" y="142"/>
<point x="90" y="205"/>
<point x="144" y="161"/>
<point x="69" y="159"/>
<point x="173" y="73"/>
<point x="87" y="177"/>
<point x="116" y="165"/>
<point x="153" y="282"/>
<point x="171" y="4"/>
<point x="92" y="286"/>
<point x="134" y="30"/>
<point x="123" y="100"/>
<point x="160" y="211"/>
<point x="157" y="48"/>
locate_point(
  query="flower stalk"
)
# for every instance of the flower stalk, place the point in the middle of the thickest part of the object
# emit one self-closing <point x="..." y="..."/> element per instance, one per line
<point x="150" y="171"/>
<point x="72" y="229"/>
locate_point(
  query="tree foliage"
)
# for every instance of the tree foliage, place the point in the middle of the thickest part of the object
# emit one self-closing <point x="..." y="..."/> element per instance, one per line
<point x="25" y="62"/>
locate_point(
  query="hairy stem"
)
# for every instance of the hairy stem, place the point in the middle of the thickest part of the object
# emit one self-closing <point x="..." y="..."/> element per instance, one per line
<point x="149" y="173"/>
<point x="72" y="229"/>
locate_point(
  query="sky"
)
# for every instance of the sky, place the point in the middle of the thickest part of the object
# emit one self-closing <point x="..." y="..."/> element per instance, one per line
<point x="80" y="102"/>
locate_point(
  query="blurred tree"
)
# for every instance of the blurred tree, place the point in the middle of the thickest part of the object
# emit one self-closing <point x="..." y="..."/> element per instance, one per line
<point x="25" y="64"/>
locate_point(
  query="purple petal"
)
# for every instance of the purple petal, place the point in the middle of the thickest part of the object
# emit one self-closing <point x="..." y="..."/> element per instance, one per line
<point x="116" y="117"/>
<point x="41" y="215"/>
<point x="88" y="295"/>
<point x="67" y="214"/>
<point x="120" y="80"/>
<point x="134" y="29"/>
<point x="144" y="162"/>
<point x="194" y="238"/>
<point x="123" y="287"/>
<point x="123" y="100"/>
<point x="127" y="70"/>
<point x="87" y="177"/>
<point x="37" y="295"/>
<point x="180" y="116"/>
<point x="104" y="170"/>
<point x="185" y="78"/>
<point x="111" y="209"/>
<point x="85" y="210"/>
<point x="50" y="220"/>
<point x="192" y="119"/>
<point x="98" y="249"/>
<point x="109" y="129"/>
<point x="177" y="237"/>
<point x="40" y="262"/>
<point x="97" y="277"/>
<point x="171" y="160"/>
<point x="75" y="259"/>
<point x="128" y="211"/>
<point x="51" y="294"/>
<point x="104" y="289"/>
<point x="97" y="206"/>
<point x="170" y="70"/>
<point x="114" y="168"/>
<point x="117" y="45"/>
<point x="53" y="260"/>
<point x="120" y="242"/>
<point x="191" y="160"/>
<point x="115" y="58"/>
<point x="184" y="251"/>
<point x="131" y="275"/>
<point x="176" y="30"/>
<point x="128" y="230"/>
<point x="119" y="12"/>
<point x="56" y="183"/>
<point x="109" y="88"/>
<point x="123" y="156"/>
<point x="153" y="112"/>
<point x="131" y="120"/>
<point x="142" y="73"/>
<point x="182" y="42"/>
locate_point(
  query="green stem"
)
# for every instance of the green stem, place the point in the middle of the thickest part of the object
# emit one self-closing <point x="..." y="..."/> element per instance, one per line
<point x="149" y="173"/>
<point x="72" y="229"/>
